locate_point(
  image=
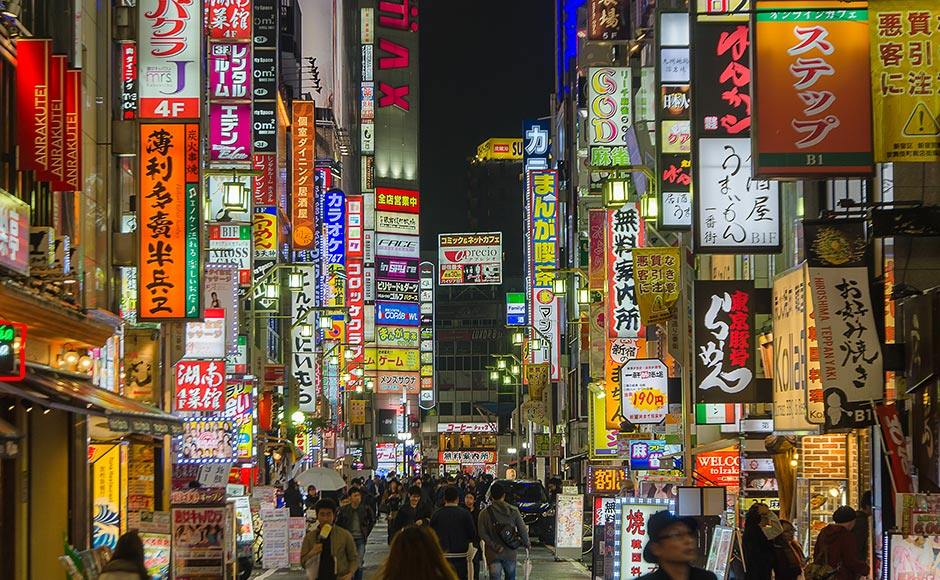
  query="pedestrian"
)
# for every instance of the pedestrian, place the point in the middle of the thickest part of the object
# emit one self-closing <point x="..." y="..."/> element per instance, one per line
<point x="471" y="505"/>
<point x="328" y="552"/>
<point x="358" y="519"/>
<point x="788" y="555"/>
<point x="862" y="528"/>
<point x="455" y="530"/>
<point x="837" y="549"/>
<point x="503" y="532"/>
<point x="758" y="549"/>
<point x="127" y="560"/>
<point x="293" y="499"/>
<point x="415" y="554"/>
<point x="672" y="547"/>
<point x="416" y="512"/>
<point x="313" y="496"/>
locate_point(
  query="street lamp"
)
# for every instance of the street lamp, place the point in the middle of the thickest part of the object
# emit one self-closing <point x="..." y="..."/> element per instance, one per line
<point x="326" y="323"/>
<point x="649" y="207"/>
<point x="536" y="344"/>
<point x="560" y="285"/>
<point x="584" y="296"/>
<point x="501" y="364"/>
<point x="507" y="380"/>
<point x="518" y="338"/>
<point x="306" y="330"/>
<point x="270" y="291"/>
<point x="233" y="196"/>
<point x="514" y="369"/>
<point x="512" y="450"/>
<point x="494" y="375"/>
<point x="615" y="192"/>
<point x="298" y="417"/>
<point x="295" y="281"/>
<point x="348" y="354"/>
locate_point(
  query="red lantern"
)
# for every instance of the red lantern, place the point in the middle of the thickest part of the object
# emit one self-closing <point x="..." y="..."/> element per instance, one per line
<point x="265" y="405"/>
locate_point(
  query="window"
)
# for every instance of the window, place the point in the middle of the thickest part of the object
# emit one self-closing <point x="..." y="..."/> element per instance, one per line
<point x="447" y="408"/>
<point x="465" y="409"/>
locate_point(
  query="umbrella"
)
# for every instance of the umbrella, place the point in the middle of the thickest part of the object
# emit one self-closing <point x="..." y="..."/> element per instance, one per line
<point x="324" y="478"/>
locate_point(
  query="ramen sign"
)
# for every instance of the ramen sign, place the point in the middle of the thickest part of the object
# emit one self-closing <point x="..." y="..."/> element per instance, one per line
<point x="470" y="259"/>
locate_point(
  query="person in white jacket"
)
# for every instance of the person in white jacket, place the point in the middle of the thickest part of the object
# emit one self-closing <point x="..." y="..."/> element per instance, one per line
<point x="127" y="560"/>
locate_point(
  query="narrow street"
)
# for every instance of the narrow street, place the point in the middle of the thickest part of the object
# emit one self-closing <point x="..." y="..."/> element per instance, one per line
<point x="544" y="565"/>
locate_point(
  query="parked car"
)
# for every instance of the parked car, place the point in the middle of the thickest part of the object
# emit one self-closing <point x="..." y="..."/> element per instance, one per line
<point x="537" y="510"/>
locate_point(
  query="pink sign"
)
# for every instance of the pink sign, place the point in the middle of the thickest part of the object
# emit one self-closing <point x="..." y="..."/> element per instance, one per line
<point x="230" y="131"/>
<point x="229" y="71"/>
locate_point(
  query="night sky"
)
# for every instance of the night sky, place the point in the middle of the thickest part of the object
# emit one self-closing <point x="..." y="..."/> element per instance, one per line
<point x="485" y="66"/>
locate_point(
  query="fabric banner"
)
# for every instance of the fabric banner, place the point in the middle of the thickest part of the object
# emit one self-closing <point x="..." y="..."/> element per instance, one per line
<point x="899" y="458"/>
<point x="851" y="362"/>
<point x="724" y="342"/>
<point x="656" y="279"/>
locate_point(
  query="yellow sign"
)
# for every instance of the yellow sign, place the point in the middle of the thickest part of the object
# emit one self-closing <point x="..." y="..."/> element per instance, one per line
<point x="656" y="278"/>
<point x="392" y="359"/>
<point x="905" y="87"/>
<point x="537" y="375"/>
<point x="107" y="508"/>
<point x="500" y="148"/>
<point x="603" y="440"/>
<point x="357" y="412"/>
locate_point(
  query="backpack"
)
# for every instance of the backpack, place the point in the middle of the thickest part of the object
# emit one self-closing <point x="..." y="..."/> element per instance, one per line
<point x="819" y="568"/>
<point x="508" y="535"/>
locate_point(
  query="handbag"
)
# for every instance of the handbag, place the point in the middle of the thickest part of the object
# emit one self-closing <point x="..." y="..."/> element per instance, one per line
<point x="819" y="568"/>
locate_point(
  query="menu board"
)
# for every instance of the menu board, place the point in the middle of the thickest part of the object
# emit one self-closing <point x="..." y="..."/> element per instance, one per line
<point x="568" y="514"/>
<point x="719" y="552"/>
<point x="274" y="554"/>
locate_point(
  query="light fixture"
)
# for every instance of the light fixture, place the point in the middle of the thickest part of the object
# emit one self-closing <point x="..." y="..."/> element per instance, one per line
<point x="12" y="10"/>
<point x="369" y="384"/>
<point x="560" y="284"/>
<point x="295" y="281"/>
<point x="298" y="417"/>
<point x="514" y="369"/>
<point x="615" y="192"/>
<point x="834" y="492"/>
<point x="356" y="372"/>
<point x="512" y="450"/>
<point x="306" y="330"/>
<point x="233" y="195"/>
<point x="270" y="291"/>
<point x="535" y="344"/>
<point x="649" y="207"/>
<point x="494" y="375"/>
<point x="46" y="411"/>
<point x="71" y="357"/>
<point x="525" y="444"/>
<point x="326" y="323"/>
<point x="600" y="394"/>
<point x="85" y="362"/>
<point x="345" y="377"/>
<point x="507" y="380"/>
<point x="518" y="338"/>
<point x="501" y="364"/>
<point x="584" y="296"/>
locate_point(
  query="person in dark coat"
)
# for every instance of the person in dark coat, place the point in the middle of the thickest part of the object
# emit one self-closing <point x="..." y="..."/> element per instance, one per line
<point x="455" y="529"/>
<point x="836" y="546"/>
<point x="415" y="512"/>
<point x="862" y="528"/>
<point x="471" y="505"/>
<point x="294" y="500"/>
<point x="788" y="556"/>
<point x="672" y="546"/>
<point x="758" y="550"/>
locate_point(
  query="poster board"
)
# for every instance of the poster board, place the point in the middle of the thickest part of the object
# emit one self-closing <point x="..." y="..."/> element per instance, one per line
<point x="719" y="552"/>
<point x="631" y="518"/>
<point x="913" y="557"/>
<point x="198" y="542"/>
<point x="569" y="510"/>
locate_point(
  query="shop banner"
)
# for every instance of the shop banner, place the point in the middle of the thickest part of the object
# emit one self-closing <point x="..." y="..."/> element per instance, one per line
<point x="470" y="259"/>
<point x="656" y="278"/>
<point x="722" y="79"/>
<point x="718" y="468"/>
<point x="395" y="291"/>
<point x="605" y="509"/>
<point x="357" y="412"/>
<point x="397" y="313"/>
<point x="605" y="479"/>
<point x="516" y="309"/>
<point x="672" y="109"/>
<point x="221" y="293"/>
<point x="646" y="454"/>
<point x="397" y="269"/>
<point x="470" y="457"/>
<point x="644" y="388"/>
<point x="398" y="382"/>
<point x="170" y="36"/>
<point x="199" y="538"/>
<point x="72" y="140"/>
<point x="905" y="100"/>
<point x="303" y="141"/>
<point x="56" y="121"/>
<point x="200" y="385"/>
<point x="397" y="200"/>
<point x="397" y="223"/>
<point x="264" y="185"/>
<point x="819" y="114"/>
<point x="229" y="71"/>
<point x="466" y="428"/>
<point x="265" y="231"/>
<point x="239" y="406"/>
<point x="542" y="236"/>
<point x="626" y="231"/>
<point x="128" y="72"/>
<point x="397" y="246"/>
<point x="631" y="519"/>
<point x="724" y="342"/>
<point x="233" y="245"/>
<point x="107" y="495"/>
<point x="920" y="339"/>
<point x="207" y="441"/>
<point x="597" y="252"/>
<point x="608" y="20"/>
<point x="355" y="279"/>
<point x="169" y="223"/>
<point x="34" y="58"/>
<point x="790" y="350"/>
<point x="896" y="444"/>
<point x="610" y="105"/>
<point x="851" y="362"/>
<point x="617" y="352"/>
<point x="229" y="19"/>
<point x="230" y="137"/>
<point x="396" y="359"/>
<point x="303" y="367"/>
<point x="141" y="364"/>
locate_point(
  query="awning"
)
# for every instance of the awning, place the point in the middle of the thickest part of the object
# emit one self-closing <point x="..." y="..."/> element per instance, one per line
<point x="76" y="394"/>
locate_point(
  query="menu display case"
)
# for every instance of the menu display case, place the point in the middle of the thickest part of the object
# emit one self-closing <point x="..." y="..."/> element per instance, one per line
<point x="816" y="499"/>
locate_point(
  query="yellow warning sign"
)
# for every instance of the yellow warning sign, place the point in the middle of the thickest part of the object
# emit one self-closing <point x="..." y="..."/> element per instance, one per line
<point x="905" y="88"/>
<point x="921" y="123"/>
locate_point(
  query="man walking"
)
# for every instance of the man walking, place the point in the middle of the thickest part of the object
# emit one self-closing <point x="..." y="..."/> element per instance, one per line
<point x="357" y="518"/>
<point x="328" y="551"/>
<point x="672" y="547"/>
<point x="455" y="529"/>
<point x="503" y="532"/>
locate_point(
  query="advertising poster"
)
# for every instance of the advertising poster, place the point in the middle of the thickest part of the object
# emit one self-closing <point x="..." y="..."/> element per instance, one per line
<point x="244" y="524"/>
<point x="643" y="391"/>
<point x="467" y="259"/>
<point x="221" y="292"/>
<point x="239" y="407"/>
<point x="905" y="100"/>
<point x="626" y="231"/>
<point x="169" y="72"/>
<point x="107" y="494"/>
<point x="276" y="526"/>
<point x="724" y="341"/>
<point x="156" y="555"/>
<point x="605" y="509"/>
<point x="569" y="511"/>
<point x="913" y="557"/>
<point x="718" y="468"/>
<point x="819" y="122"/>
<point x="296" y="528"/>
<point x="232" y="244"/>
<point x="656" y="279"/>
<point x="632" y="517"/>
<point x="206" y="339"/>
<point x="207" y="441"/>
<point x="198" y="542"/>
<point x="850" y="350"/>
<point x="169" y="269"/>
<point x="542" y="198"/>
<point x="719" y="551"/>
<point x="791" y="349"/>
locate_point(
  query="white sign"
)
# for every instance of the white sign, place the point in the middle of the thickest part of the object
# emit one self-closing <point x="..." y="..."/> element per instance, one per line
<point x="397" y="223"/>
<point x="466" y="427"/>
<point x="644" y="385"/>
<point x="851" y="363"/>
<point x="397" y="246"/>
<point x="232" y="244"/>
<point x="630" y="537"/>
<point x="169" y="58"/>
<point x="274" y="529"/>
<point x="569" y="511"/>
<point x="735" y="212"/>
<point x="206" y="340"/>
<point x="610" y="105"/>
<point x="303" y="364"/>
<point x="791" y="349"/>
<point x="470" y="259"/>
<point x="677" y="209"/>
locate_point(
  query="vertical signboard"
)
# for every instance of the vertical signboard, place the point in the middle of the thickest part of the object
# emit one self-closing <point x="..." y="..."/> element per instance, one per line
<point x="673" y="96"/>
<point x="229" y="19"/>
<point x="32" y="102"/>
<point x="724" y="342"/>
<point x="169" y="60"/>
<point x="303" y="143"/>
<point x="816" y="120"/>
<point x="230" y="131"/>
<point x="355" y="297"/>
<point x="128" y="71"/>
<point x="791" y="350"/>
<point x="427" y="397"/>
<point x="905" y="99"/>
<point x="625" y="231"/>
<point x="168" y="232"/>
<point x="303" y="343"/>
<point x="543" y="252"/>
<point x="608" y="20"/>
<point x="610" y="111"/>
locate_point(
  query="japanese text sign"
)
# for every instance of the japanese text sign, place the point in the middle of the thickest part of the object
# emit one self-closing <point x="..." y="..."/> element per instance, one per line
<point x="543" y="255"/>
<point x="646" y="454"/>
<point x="401" y="200"/>
<point x="625" y="232"/>
<point x="851" y="364"/>
<point x="470" y="259"/>
<point x="644" y="384"/>
<point x="673" y="121"/>
<point x="610" y="105"/>
<point x="229" y="19"/>
<point x="656" y="278"/>
<point x="718" y="468"/>
<point x="905" y="86"/>
<point x="724" y="342"/>
<point x="722" y="79"/>
<point x="604" y="479"/>
<point x="200" y="385"/>
<point x="168" y="234"/>
<point x="819" y="120"/>
<point x="618" y="351"/>
<point x="230" y="131"/>
<point x="229" y="71"/>
<point x="608" y="19"/>
<point x="896" y="443"/>
<point x="303" y="140"/>
<point x="631" y="535"/>
<point x="303" y="366"/>
<point x="169" y="32"/>
<point x="14" y="233"/>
